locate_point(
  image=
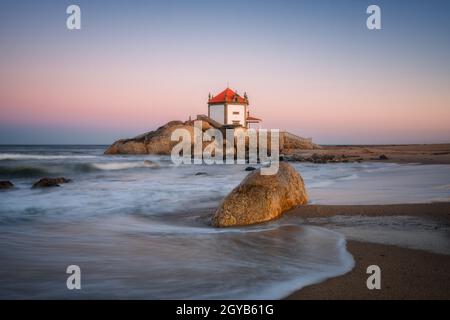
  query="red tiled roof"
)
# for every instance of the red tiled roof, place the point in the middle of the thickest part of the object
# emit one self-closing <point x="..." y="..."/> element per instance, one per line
<point x="227" y="95"/>
<point x="250" y="119"/>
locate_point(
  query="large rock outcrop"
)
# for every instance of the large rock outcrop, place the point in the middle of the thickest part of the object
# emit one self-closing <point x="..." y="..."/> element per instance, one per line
<point x="158" y="141"/>
<point x="289" y="141"/>
<point x="153" y="142"/>
<point x="261" y="198"/>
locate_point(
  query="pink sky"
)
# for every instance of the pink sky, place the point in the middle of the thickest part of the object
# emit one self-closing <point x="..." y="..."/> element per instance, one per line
<point x="338" y="84"/>
<point x="355" y="109"/>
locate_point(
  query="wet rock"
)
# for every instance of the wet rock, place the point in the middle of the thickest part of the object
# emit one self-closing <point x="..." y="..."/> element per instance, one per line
<point x="294" y="158"/>
<point x="150" y="164"/>
<point x="50" y="182"/>
<point x="318" y="158"/>
<point x="261" y="198"/>
<point x="4" y="185"/>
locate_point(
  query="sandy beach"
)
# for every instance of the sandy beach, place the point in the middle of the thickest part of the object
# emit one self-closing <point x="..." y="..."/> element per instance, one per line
<point x="411" y="153"/>
<point x="405" y="273"/>
<point x="437" y="210"/>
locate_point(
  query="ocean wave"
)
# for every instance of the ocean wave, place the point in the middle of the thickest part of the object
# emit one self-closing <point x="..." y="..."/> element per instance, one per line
<point x="348" y="177"/>
<point x="24" y="156"/>
<point x="320" y="184"/>
<point x="402" y="231"/>
<point x="23" y="171"/>
<point x="70" y="168"/>
<point x="123" y="165"/>
<point x="442" y="187"/>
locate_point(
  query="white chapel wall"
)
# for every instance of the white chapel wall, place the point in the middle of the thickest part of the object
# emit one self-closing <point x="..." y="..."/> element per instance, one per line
<point x="232" y="108"/>
<point x="216" y="112"/>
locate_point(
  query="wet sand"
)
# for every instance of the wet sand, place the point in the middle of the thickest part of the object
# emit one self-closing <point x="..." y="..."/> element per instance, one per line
<point x="438" y="210"/>
<point x="405" y="273"/>
<point x="412" y="153"/>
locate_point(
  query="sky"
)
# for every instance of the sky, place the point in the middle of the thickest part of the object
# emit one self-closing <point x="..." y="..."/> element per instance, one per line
<point x="310" y="67"/>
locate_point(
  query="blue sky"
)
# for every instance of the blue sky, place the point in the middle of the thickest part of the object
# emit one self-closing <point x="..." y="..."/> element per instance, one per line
<point x="310" y="67"/>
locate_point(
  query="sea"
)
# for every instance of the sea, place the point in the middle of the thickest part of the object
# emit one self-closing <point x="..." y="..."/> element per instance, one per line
<point x="138" y="226"/>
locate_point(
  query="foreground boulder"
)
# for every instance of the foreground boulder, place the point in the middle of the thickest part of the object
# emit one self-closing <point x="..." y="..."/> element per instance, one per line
<point x="261" y="198"/>
<point x="50" y="182"/>
<point x="6" y="185"/>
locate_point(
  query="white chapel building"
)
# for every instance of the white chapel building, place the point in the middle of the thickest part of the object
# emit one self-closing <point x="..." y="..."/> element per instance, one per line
<point x="229" y="108"/>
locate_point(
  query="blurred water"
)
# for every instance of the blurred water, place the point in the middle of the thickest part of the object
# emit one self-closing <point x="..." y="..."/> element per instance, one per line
<point x="376" y="183"/>
<point x="404" y="231"/>
<point x="140" y="229"/>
